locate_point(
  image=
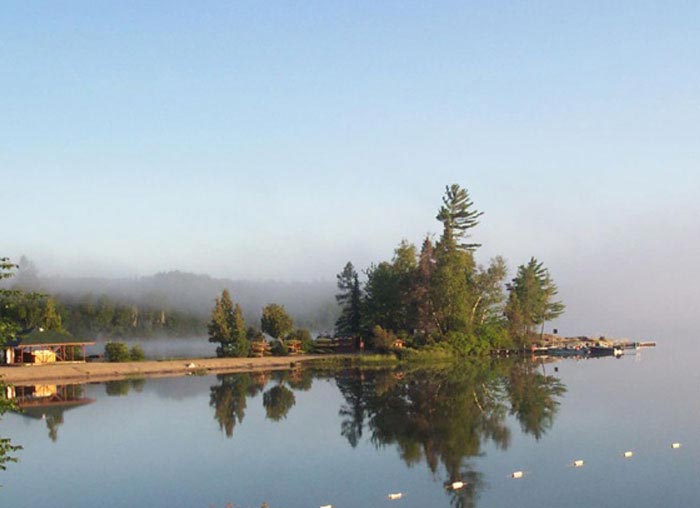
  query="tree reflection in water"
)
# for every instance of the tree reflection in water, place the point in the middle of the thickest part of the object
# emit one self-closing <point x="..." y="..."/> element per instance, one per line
<point x="7" y="449"/>
<point x="444" y="416"/>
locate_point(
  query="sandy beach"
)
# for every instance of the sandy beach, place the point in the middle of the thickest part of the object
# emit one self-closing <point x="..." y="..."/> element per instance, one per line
<point x="63" y="373"/>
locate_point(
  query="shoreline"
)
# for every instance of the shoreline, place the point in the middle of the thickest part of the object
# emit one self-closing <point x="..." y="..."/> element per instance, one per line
<point x="68" y="373"/>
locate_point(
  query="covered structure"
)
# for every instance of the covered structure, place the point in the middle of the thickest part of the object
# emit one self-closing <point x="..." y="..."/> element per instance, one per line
<point x="39" y="346"/>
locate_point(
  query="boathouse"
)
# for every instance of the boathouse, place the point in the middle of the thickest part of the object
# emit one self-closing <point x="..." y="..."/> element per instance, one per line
<point x="39" y="346"/>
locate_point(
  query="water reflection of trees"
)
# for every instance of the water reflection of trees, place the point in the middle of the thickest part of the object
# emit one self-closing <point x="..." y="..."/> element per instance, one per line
<point x="7" y="449"/>
<point x="444" y="416"/>
<point x="441" y="416"/>
<point x="229" y="397"/>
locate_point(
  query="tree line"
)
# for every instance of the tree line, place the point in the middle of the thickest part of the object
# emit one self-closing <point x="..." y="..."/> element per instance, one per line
<point x="440" y="296"/>
<point x="228" y="328"/>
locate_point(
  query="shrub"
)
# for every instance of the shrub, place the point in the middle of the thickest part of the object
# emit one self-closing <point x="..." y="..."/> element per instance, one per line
<point x="303" y="335"/>
<point x="279" y="348"/>
<point x="137" y="354"/>
<point x="383" y="340"/>
<point x="117" y="352"/>
<point x="466" y="343"/>
<point x="495" y="335"/>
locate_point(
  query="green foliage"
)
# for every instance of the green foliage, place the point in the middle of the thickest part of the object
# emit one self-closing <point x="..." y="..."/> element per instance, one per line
<point x="495" y="334"/>
<point x="277" y="401"/>
<point x="303" y="335"/>
<point x="117" y="388"/>
<point x="457" y="217"/>
<point x="465" y="344"/>
<point x="253" y="334"/>
<point x="388" y="299"/>
<point x="349" y="298"/>
<point x="488" y="286"/>
<point x="530" y="301"/>
<point x="275" y="321"/>
<point x="279" y="348"/>
<point x="8" y="323"/>
<point x="447" y="416"/>
<point x="227" y="327"/>
<point x="117" y="352"/>
<point x="422" y="303"/>
<point x="382" y="340"/>
<point x="136" y="354"/>
<point x="7" y="449"/>
<point x="228" y="399"/>
<point x="21" y="311"/>
<point x="93" y="316"/>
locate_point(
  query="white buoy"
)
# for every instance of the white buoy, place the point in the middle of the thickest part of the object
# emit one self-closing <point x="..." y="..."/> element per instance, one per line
<point x="397" y="495"/>
<point x="517" y="474"/>
<point x="457" y="485"/>
<point x="675" y="446"/>
<point x="627" y="455"/>
<point x="327" y="506"/>
<point x="578" y="463"/>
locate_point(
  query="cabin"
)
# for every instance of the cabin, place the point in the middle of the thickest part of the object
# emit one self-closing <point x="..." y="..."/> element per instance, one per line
<point x="39" y="346"/>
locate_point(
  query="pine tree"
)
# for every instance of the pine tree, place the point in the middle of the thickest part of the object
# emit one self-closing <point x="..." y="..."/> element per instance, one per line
<point x="423" y="304"/>
<point x="452" y="286"/>
<point x="227" y="327"/>
<point x="457" y="217"/>
<point x="350" y="300"/>
<point x="530" y="300"/>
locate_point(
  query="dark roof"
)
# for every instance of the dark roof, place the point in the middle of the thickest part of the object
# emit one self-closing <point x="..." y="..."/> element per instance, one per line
<point x="39" y="336"/>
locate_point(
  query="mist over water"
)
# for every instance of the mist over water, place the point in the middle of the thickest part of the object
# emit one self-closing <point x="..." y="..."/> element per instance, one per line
<point x="159" y="348"/>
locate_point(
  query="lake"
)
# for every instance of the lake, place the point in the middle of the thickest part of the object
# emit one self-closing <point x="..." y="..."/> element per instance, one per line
<point x="351" y="437"/>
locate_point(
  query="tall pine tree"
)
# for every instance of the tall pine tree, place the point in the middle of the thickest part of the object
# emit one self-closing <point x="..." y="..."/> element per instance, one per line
<point x="452" y="284"/>
<point x="349" y="298"/>
<point x="227" y="327"/>
<point x="531" y="301"/>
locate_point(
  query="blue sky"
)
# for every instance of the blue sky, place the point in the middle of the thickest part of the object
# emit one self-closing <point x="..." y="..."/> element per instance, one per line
<point x="280" y="139"/>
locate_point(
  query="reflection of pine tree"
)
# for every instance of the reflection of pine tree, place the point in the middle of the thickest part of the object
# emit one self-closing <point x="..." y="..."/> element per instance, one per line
<point x="351" y="386"/>
<point x="533" y="398"/>
<point x="229" y="400"/>
<point x="443" y="417"/>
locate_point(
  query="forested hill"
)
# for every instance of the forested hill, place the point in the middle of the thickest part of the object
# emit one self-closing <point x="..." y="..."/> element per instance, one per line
<point x="311" y="304"/>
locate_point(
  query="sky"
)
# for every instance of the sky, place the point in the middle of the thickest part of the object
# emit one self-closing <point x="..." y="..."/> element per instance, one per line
<point x="281" y="139"/>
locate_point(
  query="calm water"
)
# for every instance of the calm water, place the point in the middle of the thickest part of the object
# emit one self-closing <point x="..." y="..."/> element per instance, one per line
<point x="349" y="438"/>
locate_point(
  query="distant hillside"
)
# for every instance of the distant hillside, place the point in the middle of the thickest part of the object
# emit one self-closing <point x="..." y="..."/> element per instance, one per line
<point x="311" y="304"/>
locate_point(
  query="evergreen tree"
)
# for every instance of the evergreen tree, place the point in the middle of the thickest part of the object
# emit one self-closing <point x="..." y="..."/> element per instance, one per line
<point x="227" y="327"/>
<point x="422" y="301"/>
<point x="350" y="300"/>
<point x="457" y="217"/>
<point x="452" y="285"/>
<point x="530" y="301"/>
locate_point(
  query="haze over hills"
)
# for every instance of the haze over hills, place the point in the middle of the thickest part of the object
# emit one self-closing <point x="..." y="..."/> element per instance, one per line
<point x="311" y="304"/>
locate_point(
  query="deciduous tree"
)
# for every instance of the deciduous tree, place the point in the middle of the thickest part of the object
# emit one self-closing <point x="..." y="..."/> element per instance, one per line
<point x="275" y="321"/>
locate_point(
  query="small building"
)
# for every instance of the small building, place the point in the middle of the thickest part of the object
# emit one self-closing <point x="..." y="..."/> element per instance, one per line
<point x="39" y="346"/>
